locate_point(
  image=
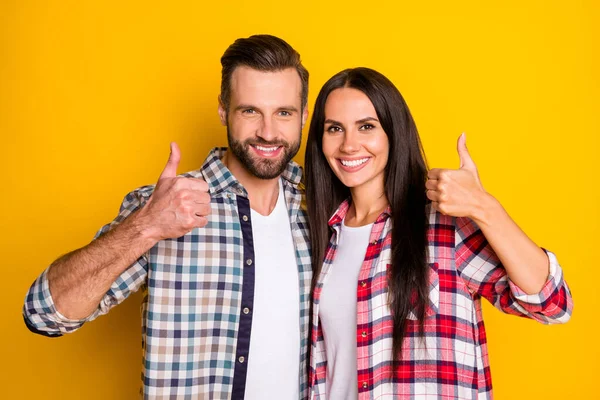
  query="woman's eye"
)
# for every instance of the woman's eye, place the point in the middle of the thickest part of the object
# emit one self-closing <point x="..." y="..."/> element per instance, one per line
<point x="334" y="128"/>
<point x="367" y="127"/>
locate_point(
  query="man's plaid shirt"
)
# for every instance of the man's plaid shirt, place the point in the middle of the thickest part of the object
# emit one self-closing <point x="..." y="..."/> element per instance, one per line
<point x="195" y="326"/>
<point x="452" y="362"/>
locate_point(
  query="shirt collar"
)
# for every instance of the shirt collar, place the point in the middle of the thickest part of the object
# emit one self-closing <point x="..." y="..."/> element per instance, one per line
<point x="339" y="215"/>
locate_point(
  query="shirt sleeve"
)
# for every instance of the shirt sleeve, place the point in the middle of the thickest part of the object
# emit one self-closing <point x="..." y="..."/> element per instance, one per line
<point x="39" y="311"/>
<point x="480" y="268"/>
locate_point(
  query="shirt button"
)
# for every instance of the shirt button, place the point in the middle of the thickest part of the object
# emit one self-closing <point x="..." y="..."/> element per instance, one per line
<point x="246" y="310"/>
<point x="365" y="385"/>
<point x="245" y="218"/>
<point x="249" y="261"/>
<point x="241" y="359"/>
<point x="363" y="284"/>
<point x="363" y="334"/>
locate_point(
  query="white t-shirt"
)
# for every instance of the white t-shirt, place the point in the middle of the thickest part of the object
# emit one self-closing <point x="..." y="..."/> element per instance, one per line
<point x="337" y="312"/>
<point x="274" y="355"/>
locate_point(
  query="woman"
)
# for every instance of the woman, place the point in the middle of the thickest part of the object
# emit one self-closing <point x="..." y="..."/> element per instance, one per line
<point x="401" y="261"/>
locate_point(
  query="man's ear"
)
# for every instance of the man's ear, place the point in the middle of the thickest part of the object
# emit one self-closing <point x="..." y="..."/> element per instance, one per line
<point x="222" y="112"/>
<point x="304" y="115"/>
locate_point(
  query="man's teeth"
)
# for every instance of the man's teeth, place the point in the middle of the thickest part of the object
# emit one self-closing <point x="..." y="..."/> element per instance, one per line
<point x="354" y="163"/>
<point x="266" y="149"/>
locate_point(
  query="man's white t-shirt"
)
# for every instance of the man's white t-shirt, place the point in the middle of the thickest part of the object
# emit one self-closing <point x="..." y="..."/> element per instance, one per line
<point x="274" y="355"/>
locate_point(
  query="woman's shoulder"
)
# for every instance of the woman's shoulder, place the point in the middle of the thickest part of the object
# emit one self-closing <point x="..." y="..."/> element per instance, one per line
<point x="439" y="221"/>
<point x="436" y="218"/>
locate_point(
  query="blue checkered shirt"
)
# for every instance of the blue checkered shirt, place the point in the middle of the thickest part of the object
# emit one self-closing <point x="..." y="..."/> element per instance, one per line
<point x="194" y="330"/>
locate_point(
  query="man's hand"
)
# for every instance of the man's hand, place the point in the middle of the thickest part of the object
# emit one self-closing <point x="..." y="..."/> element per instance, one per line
<point x="177" y="205"/>
<point x="458" y="192"/>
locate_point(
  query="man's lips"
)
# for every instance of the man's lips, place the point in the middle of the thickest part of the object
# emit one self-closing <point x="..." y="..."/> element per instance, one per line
<point x="267" y="151"/>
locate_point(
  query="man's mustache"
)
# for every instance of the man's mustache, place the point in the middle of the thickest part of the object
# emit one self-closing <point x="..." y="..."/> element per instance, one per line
<point x="262" y="142"/>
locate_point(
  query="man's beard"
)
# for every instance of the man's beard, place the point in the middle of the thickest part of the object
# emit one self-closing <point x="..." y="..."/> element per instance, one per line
<point x="262" y="168"/>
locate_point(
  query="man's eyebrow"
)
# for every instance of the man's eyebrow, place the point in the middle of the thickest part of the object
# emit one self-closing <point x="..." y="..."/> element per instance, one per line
<point x="248" y="106"/>
<point x="244" y="107"/>
<point x="288" y="108"/>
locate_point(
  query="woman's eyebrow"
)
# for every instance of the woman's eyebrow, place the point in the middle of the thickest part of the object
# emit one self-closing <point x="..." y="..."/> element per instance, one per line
<point x="366" y="119"/>
<point x="360" y="121"/>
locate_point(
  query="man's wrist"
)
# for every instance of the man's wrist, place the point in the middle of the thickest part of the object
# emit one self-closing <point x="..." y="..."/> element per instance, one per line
<point x="142" y="229"/>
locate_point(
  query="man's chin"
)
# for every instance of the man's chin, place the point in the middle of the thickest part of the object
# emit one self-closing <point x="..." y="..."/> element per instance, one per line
<point x="267" y="169"/>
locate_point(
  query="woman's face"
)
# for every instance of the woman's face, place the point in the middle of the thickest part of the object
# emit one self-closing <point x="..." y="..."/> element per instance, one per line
<point x="354" y="144"/>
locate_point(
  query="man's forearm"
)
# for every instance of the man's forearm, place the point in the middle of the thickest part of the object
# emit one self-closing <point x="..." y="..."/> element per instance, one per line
<point x="80" y="279"/>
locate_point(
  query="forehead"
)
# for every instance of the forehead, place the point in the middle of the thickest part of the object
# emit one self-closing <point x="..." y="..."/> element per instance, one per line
<point x="349" y="105"/>
<point x="268" y="89"/>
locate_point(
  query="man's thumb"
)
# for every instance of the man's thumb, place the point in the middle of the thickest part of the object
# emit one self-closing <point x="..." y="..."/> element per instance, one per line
<point x="170" y="170"/>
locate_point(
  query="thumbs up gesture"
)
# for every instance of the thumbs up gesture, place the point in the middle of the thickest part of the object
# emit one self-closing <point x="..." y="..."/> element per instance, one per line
<point x="457" y="192"/>
<point x="178" y="204"/>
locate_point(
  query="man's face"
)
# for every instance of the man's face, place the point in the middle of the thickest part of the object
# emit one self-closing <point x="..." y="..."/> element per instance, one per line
<point x="264" y="120"/>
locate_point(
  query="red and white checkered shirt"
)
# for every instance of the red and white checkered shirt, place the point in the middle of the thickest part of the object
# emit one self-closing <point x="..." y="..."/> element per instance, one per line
<point x="451" y="361"/>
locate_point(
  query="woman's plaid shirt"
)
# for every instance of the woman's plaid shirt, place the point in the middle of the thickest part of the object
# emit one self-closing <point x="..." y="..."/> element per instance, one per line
<point x="199" y="288"/>
<point x="452" y="360"/>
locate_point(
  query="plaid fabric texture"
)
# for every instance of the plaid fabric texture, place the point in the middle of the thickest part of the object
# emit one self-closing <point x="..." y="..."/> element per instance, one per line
<point x="192" y="311"/>
<point x="451" y="361"/>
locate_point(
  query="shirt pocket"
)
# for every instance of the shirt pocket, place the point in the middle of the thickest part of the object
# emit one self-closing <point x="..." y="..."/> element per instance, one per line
<point x="434" y="294"/>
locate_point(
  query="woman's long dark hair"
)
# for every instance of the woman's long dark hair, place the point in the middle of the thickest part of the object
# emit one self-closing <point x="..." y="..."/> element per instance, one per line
<point x="405" y="177"/>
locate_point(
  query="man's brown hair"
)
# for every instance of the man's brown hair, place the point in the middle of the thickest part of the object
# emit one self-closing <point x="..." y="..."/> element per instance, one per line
<point x="265" y="53"/>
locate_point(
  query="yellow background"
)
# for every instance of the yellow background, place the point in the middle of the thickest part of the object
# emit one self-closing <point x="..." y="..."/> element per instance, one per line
<point x="92" y="92"/>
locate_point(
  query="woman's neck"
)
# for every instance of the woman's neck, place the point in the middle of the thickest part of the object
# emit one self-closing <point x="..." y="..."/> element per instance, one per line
<point x="368" y="202"/>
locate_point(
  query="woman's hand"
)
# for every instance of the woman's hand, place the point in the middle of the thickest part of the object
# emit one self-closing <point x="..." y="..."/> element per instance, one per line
<point x="459" y="192"/>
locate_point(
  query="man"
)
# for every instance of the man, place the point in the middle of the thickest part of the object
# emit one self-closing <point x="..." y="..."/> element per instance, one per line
<point x="226" y="310"/>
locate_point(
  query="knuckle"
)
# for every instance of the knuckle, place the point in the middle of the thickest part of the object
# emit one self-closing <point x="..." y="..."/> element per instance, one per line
<point x="445" y="175"/>
<point x="186" y="209"/>
<point x="183" y="194"/>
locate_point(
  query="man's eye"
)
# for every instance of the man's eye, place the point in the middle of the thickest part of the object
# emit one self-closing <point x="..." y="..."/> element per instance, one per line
<point x="249" y="111"/>
<point x="285" y="113"/>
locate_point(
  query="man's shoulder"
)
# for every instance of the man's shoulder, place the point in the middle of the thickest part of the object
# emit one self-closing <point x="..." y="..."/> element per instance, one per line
<point x="138" y="195"/>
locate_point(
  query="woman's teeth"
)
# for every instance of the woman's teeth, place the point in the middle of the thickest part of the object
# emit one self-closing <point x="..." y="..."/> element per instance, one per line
<point x="354" y="163"/>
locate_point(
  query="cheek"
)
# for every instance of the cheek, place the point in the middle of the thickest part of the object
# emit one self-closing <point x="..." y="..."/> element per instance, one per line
<point x="290" y="129"/>
<point x="381" y="147"/>
<point x="241" y="128"/>
<point x="329" y="147"/>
